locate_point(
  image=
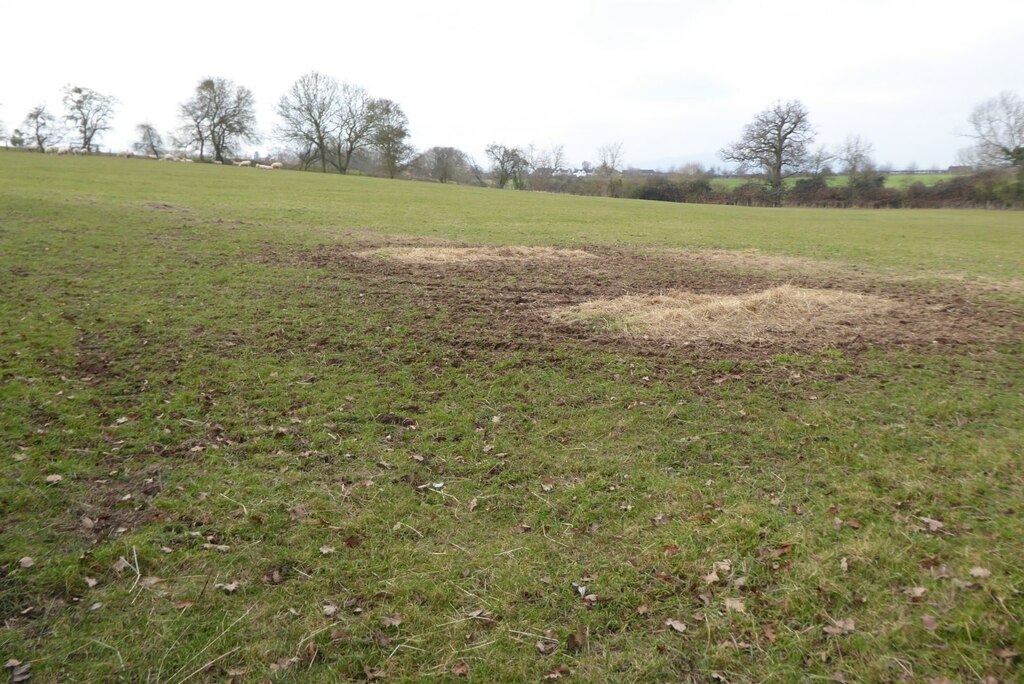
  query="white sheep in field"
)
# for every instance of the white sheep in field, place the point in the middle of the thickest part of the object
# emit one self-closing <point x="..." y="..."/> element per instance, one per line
<point x="243" y="163"/>
<point x="263" y="166"/>
<point x="217" y="162"/>
<point x="152" y="156"/>
<point x="186" y="160"/>
<point x="64" y="150"/>
<point x="277" y="165"/>
<point x="53" y="150"/>
<point x="169" y="157"/>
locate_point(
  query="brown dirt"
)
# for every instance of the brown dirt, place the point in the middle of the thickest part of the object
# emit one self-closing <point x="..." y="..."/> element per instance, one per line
<point x="508" y="304"/>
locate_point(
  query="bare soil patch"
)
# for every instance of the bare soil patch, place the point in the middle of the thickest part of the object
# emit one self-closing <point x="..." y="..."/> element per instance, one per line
<point x="509" y="304"/>
<point x="461" y="255"/>
<point x="754" y="317"/>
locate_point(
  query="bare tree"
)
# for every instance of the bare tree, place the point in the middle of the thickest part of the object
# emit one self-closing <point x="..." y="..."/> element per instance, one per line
<point x="997" y="126"/>
<point x="610" y="167"/>
<point x="89" y="112"/>
<point x="309" y="116"/>
<point x="42" y="128"/>
<point x="149" y="142"/>
<point x="220" y="114"/>
<point x="855" y="154"/>
<point x="546" y="166"/>
<point x="776" y="142"/>
<point x="355" y="122"/>
<point x="509" y="164"/>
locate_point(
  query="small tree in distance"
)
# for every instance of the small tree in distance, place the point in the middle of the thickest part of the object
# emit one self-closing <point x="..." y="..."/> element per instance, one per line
<point x="221" y="115"/>
<point x="997" y="126"/>
<point x="41" y="128"/>
<point x="149" y="142"/>
<point x="390" y="132"/>
<point x="776" y="142"/>
<point x="89" y="112"/>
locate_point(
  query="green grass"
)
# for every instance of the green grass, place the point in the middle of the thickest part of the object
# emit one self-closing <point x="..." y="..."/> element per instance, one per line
<point x="252" y="384"/>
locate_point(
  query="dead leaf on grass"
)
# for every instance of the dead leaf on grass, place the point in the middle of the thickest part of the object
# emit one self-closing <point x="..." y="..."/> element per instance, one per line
<point x="392" y="620"/>
<point x="675" y="625"/>
<point x="575" y="642"/>
<point x="54" y="479"/>
<point x="915" y="593"/>
<point x="546" y="646"/>
<point x="840" y="627"/>
<point x="229" y="588"/>
<point x="472" y="504"/>
<point x="353" y="541"/>
<point x="461" y="669"/>
<point x="184" y="605"/>
<point x="324" y="550"/>
<point x="121" y="565"/>
<point x="26" y="562"/>
<point x="844" y="564"/>
<point x="735" y="605"/>
<point x="559" y="672"/>
<point x="642" y="609"/>
<point x="980" y="572"/>
<point x="711" y="577"/>
<point x="929" y="622"/>
<point x="90" y="582"/>
<point x="933" y="525"/>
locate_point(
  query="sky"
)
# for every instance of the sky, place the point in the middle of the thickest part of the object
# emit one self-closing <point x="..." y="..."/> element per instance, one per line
<point x="673" y="82"/>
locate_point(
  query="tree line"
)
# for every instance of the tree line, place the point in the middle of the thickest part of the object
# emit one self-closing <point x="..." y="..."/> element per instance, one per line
<point x="339" y="127"/>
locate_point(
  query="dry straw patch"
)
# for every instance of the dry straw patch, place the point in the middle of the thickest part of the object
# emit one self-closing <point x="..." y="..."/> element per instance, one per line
<point x="783" y="311"/>
<point x="456" y="255"/>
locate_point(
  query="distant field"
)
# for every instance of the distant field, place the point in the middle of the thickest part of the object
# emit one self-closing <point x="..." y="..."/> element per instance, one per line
<point x="309" y="428"/>
<point x="898" y="181"/>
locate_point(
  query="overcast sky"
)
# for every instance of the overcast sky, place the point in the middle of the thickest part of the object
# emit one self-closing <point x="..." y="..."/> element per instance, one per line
<point x="672" y="81"/>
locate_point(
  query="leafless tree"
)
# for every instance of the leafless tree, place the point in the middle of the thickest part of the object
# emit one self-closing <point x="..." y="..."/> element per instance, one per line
<point x="997" y="126"/>
<point x="309" y="116"/>
<point x="509" y="164"/>
<point x="355" y="122"/>
<point x="546" y="167"/>
<point x="776" y="142"/>
<point x="220" y="114"/>
<point x="390" y="136"/>
<point x="855" y="154"/>
<point x="150" y="142"/>
<point x="42" y="128"/>
<point x="610" y="167"/>
<point x="89" y="112"/>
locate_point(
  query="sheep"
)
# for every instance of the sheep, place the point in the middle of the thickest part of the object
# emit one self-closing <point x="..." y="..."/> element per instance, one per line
<point x="53" y="150"/>
<point x="169" y="157"/>
<point x="277" y="165"/>
<point x="218" y="162"/>
<point x="185" y="160"/>
<point x="264" y="166"/>
<point x="243" y="163"/>
<point x="152" y="156"/>
<point x="64" y="150"/>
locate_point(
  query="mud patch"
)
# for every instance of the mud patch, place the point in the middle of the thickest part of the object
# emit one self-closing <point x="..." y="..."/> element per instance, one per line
<point x="758" y="317"/>
<point x="507" y="305"/>
<point x="457" y="255"/>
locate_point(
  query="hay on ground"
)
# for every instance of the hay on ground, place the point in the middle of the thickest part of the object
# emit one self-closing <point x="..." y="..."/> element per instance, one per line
<point x="760" y="316"/>
<point x="448" y="255"/>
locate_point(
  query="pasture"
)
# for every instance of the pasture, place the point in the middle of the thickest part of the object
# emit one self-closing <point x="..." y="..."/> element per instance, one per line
<point x="263" y="425"/>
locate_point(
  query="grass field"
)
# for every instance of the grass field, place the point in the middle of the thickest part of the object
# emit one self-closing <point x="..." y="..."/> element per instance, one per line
<point x="244" y="440"/>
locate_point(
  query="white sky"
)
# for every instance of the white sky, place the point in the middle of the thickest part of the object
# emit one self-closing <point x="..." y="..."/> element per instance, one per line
<point x="672" y="81"/>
